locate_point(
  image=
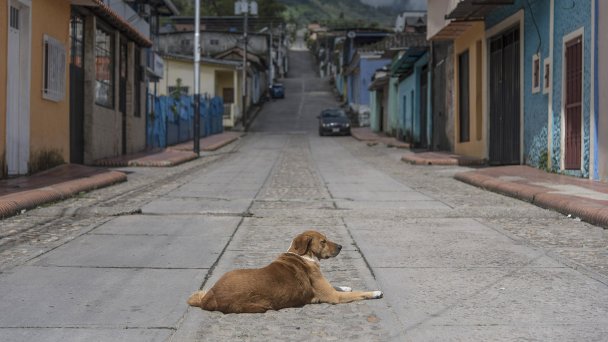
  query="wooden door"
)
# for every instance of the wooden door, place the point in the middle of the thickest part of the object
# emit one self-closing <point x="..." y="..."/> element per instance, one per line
<point x="573" y="104"/>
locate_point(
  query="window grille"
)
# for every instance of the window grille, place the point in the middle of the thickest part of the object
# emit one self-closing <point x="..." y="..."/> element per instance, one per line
<point x="14" y="18"/>
<point x="54" y="70"/>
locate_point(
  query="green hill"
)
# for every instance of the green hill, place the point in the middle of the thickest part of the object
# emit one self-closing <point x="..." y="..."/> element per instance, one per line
<point x="338" y="13"/>
<point x="334" y="13"/>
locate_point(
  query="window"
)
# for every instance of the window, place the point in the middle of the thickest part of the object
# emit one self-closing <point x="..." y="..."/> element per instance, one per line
<point x="14" y="18"/>
<point x="53" y="87"/>
<point x="104" y="68"/>
<point x="547" y="76"/>
<point x="535" y="73"/>
<point x="214" y="42"/>
<point x="228" y="95"/>
<point x="463" y="96"/>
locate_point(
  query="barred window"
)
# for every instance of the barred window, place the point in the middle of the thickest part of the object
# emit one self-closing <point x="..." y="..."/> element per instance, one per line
<point x="104" y="68"/>
<point x="53" y="81"/>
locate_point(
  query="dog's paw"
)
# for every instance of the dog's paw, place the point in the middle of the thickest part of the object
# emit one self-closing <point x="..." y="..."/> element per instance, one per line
<point x="344" y="288"/>
<point x="377" y="294"/>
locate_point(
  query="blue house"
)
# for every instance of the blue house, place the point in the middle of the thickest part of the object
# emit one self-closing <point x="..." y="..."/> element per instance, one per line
<point x="413" y="97"/>
<point x="359" y="75"/>
<point x="551" y="83"/>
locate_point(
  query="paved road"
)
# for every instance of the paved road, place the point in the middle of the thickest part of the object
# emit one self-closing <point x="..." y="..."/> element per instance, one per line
<point x="454" y="262"/>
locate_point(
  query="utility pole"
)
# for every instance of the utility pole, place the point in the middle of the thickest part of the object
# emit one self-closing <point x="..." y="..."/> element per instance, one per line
<point x="197" y="74"/>
<point x="244" y="7"/>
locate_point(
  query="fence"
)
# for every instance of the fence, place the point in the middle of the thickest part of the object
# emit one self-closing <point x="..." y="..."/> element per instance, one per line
<point x="171" y="121"/>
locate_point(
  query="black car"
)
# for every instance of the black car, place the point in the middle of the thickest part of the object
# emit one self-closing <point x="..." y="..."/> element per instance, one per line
<point x="333" y="121"/>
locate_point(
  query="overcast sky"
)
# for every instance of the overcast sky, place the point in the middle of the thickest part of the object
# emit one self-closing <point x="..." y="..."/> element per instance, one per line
<point x="406" y="4"/>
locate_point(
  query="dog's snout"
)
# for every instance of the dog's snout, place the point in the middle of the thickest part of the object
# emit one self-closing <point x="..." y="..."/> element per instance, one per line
<point x="339" y="247"/>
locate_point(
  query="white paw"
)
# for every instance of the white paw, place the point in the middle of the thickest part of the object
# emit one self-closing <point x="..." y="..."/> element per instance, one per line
<point x="344" y="288"/>
<point x="377" y="294"/>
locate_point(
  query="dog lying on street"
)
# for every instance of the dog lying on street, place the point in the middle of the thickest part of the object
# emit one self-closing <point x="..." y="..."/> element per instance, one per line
<point x="294" y="279"/>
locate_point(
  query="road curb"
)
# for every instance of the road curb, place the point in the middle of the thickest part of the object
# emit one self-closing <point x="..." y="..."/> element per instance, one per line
<point x="586" y="210"/>
<point x="14" y="203"/>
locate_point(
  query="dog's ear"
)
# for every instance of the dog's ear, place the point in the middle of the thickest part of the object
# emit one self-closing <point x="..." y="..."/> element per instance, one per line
<point x="300" y="244"/>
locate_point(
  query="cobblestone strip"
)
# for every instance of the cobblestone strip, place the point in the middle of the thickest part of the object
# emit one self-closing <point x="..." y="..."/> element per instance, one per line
<point x="293" y="199"/>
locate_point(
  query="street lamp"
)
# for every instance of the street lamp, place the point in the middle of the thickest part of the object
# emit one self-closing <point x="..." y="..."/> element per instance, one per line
<point x="197" y="84"/>
<point x="245" y="7"/>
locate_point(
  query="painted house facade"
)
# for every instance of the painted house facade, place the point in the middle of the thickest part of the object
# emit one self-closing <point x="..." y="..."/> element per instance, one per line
<point x="34" y="98"/>
<point x="556" y="47"/>
<point x="80" y="91"/>
<point x="358" y="77"/>
<point x="523" y="85"/>
<point x="218" y="78"/>
<point x="413" y="97"/>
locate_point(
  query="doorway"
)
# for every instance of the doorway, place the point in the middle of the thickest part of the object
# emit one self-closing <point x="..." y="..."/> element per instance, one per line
<point x="77" y="89"/>
<point x="505" y="91"/>
<point x="18" y="93"/>
<point x="573" y="103"/>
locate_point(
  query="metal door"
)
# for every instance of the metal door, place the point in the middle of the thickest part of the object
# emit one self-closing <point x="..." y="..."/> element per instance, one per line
<point x="77" y="89"/>
<point x="573" y="104"/>
<point x="122" y="92"/>
<point x="505" y="98"/>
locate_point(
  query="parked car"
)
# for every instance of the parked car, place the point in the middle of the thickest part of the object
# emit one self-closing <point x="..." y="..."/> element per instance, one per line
<point x="277" y="91"/>
<point x="333" y="121"/>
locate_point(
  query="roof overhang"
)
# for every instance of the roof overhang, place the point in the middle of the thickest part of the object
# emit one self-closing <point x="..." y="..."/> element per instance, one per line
<point x="475" y="10"/>
<point x="464" y="15"/>
<point x="379" y="83"/>
<point x="406" y="63"/>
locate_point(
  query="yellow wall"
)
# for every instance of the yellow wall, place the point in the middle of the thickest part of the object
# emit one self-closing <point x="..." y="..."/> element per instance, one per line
<point x="3" y="63"/>
<point x="175" y="69"/>
<point x="49" y="120"/>
<point x="473" y="40"/>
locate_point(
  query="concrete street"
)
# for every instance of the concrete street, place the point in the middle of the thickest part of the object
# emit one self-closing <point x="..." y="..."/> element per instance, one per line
<point x="455" y="263"/>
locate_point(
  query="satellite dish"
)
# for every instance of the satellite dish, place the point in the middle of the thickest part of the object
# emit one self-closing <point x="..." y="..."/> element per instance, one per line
<point x="351" y="34"/>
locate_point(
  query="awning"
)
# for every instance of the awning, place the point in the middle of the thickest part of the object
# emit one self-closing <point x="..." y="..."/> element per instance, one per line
<point x="467" y="10"/>
<point x="379" y="83"/>
<point x="406" y="63"/>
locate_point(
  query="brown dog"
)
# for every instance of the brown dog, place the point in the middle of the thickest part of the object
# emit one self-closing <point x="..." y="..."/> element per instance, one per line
<point x="294" y="279"/>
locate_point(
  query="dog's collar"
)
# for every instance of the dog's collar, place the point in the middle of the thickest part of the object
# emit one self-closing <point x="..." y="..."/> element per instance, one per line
<point x="314" y="260"/>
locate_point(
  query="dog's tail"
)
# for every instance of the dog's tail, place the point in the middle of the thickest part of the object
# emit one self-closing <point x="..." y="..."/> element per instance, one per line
<point x="196" y="299"/>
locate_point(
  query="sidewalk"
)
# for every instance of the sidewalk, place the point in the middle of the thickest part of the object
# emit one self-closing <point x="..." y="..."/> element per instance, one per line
<point x="64" y="181"/>
<point x="367" y="135"/>
<point x="172" y="155"/>
<point x="58" y="183"/>
<point x="581" y="198"/>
